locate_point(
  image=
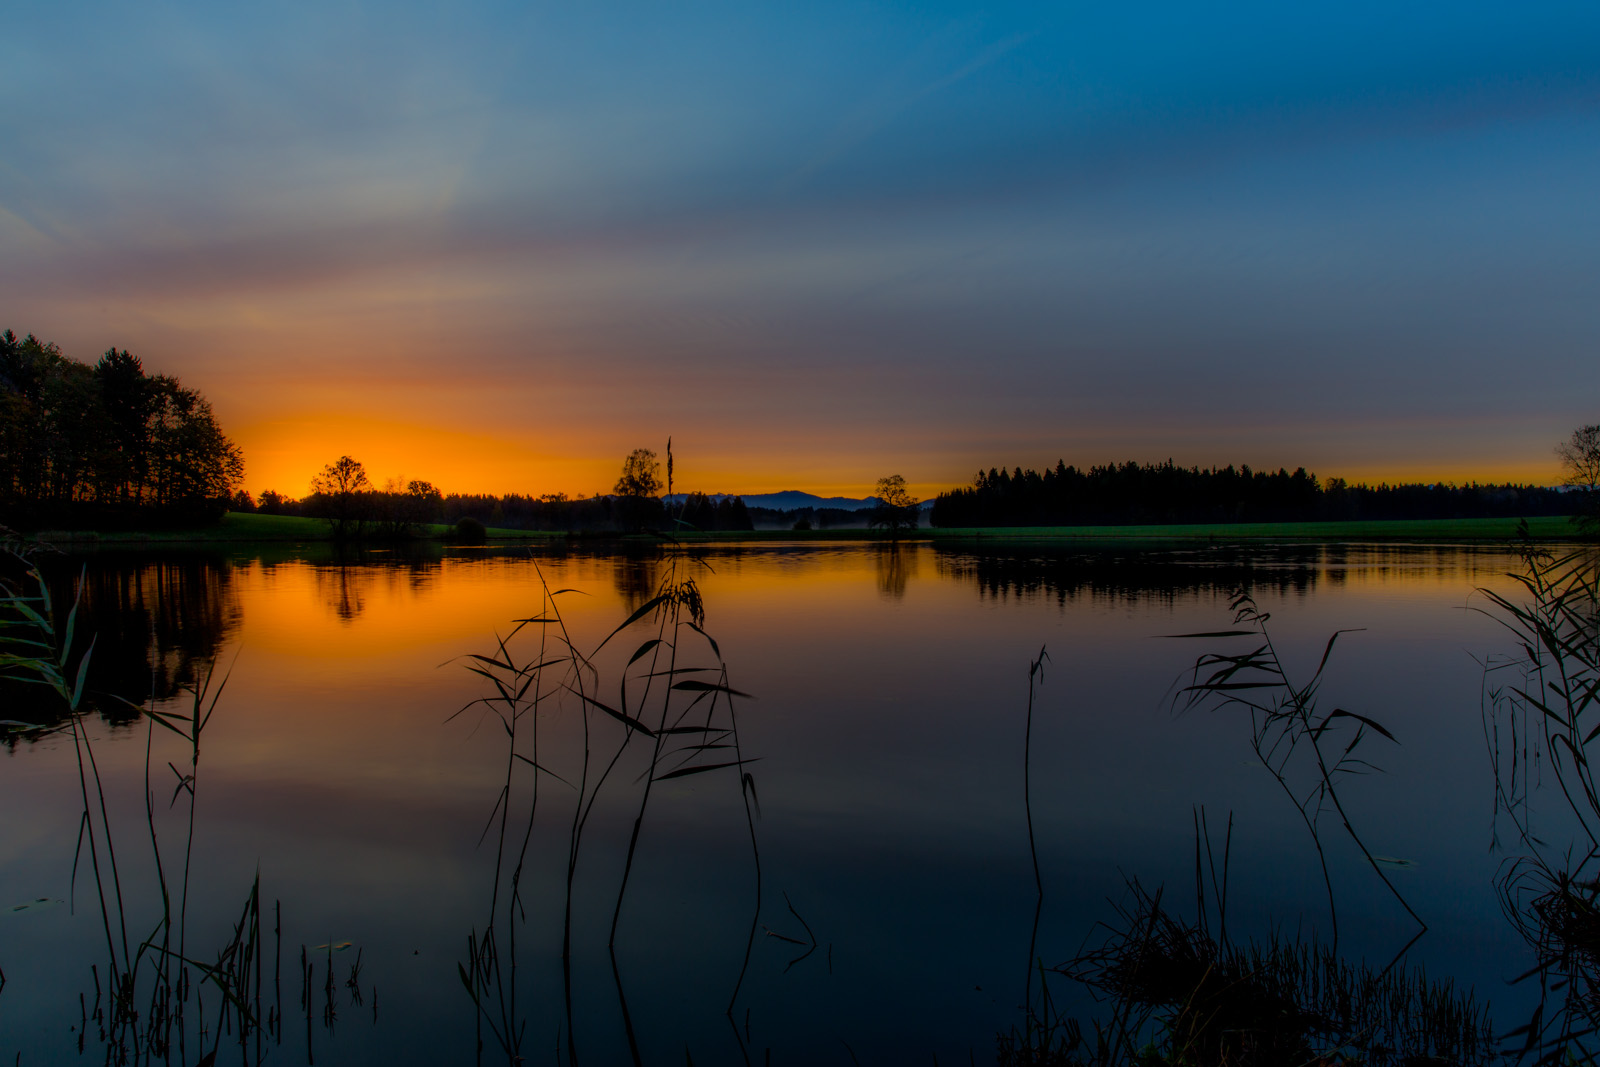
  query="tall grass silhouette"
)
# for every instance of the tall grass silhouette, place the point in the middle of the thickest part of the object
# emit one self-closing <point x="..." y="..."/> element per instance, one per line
<point x="1541" y="714"/>
<point x="1310" y="753"/>
<point x="151" y="1004"/>
<point x="674" y="715"/>
<point x="1183" y="991"/>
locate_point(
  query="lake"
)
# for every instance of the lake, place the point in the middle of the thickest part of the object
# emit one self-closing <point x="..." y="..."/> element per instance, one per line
<point x="348" y="766"/>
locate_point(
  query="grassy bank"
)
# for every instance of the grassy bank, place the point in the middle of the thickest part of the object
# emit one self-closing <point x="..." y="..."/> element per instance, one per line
<point x="239" y="527"/>
<point x="244" y="527"/>
<point x="1546" y="528"/>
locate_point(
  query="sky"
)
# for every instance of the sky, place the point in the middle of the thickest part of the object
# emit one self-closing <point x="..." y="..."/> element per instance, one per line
<point x="499" y="246"/>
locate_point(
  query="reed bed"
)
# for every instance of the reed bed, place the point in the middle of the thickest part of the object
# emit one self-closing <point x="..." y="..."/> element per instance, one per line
<point x="1541" y="716"/>
<point x="668" y="713"/>
<point x="1180" y="991"/>
<point x="1178" y="994"/>
<point x="1310" y="753"/>
<point x="151" y="1002"/>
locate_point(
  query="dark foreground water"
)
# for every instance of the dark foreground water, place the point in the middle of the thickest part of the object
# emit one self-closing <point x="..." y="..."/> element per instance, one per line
<point x="889" y="692"/>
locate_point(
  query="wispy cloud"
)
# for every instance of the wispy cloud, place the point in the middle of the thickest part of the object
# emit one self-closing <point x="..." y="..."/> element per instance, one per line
<point x="927" y="231"/>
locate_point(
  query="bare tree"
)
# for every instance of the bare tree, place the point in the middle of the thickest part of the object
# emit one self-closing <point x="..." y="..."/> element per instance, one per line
<point x="897" y="508"/>
<point x="341" y="489"/>
<point x="1580" y="458"/>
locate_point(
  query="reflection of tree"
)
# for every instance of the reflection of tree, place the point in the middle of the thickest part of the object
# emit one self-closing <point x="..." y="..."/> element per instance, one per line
<point x="1026" y="572"/>
<point x="1123" y="573"/>
<point x="895" y="565"/>
<point x="155" y="626"/>
<point x="344" y="589"/>
<point x="636" y="576"/>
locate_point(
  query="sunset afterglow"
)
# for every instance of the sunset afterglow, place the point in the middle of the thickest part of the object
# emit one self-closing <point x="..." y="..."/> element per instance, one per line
<point x="733" y="532"/>
<point x="500" y="248"/>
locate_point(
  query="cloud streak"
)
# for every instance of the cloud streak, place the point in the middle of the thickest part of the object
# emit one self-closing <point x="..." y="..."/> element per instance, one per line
<point x="858" y="239"/>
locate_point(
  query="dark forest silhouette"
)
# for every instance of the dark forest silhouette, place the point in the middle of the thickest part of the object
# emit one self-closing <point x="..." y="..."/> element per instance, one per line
<point x="1164" y="493"/>
<point x="344" y="496"/>
<point x="109" y="446"/>
<point x="106" y="445"/>
<point x="557" y="511"/>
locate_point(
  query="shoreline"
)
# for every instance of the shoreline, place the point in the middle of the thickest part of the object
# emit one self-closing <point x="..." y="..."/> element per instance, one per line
<point x="258" y="529"/>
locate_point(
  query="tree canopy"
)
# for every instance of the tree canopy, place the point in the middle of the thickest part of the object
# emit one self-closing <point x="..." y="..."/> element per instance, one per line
<point x="641" y="475"/>
<point x="1133" y="493"/>
<point x="339" y="494"/>
<point x="1580" y="459"/>
<point x="897" y="508"/>
<point x="106" y="441"/>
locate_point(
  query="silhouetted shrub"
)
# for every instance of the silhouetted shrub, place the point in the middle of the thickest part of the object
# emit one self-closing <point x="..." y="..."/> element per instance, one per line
<point x="470" y="531"/>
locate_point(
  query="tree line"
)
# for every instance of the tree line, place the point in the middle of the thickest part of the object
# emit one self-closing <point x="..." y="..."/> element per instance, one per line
<point x="355" y="509"/>
<point x="1164" y="493"/>
<point x="108" y="443"/>
<point x="344" y="496"/>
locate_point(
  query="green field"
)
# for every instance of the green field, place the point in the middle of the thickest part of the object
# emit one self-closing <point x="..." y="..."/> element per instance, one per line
<point x="1548" y="528"/>
<point x="238" y="527"/>
<point x="1545" y="529"/>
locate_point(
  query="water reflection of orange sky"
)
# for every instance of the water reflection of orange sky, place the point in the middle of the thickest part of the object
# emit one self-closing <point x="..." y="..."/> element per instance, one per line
<point x="337" y="672"/>
<point x="360" y="659"/>
<point x="283" y="454"/>
<point x="338" y="614"/>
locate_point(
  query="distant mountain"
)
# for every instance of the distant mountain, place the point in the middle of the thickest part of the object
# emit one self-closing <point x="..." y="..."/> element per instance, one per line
<point x="793" y="499"/>
<point x="790" y="499"/>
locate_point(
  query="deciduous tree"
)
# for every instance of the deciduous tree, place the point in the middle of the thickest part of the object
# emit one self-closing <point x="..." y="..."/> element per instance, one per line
<point x="641" y="475"/>
<point x="897" y="508"/>
<point x="106" y="442"/>
<point x="340" y="489"/>
<point x="1580" y="458"/>
<point x="638" y="488"/>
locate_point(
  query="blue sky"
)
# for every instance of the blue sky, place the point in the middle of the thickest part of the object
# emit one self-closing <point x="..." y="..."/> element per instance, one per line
<point x="502" y="245"/>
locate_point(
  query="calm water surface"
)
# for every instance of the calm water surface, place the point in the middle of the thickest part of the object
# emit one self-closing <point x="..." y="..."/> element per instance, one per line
<point x="889" y="690"/>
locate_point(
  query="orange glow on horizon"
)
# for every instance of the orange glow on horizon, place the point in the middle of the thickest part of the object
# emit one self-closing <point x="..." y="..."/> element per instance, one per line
<point x="1495" y="474"/>
<point x="285" y="453"/>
